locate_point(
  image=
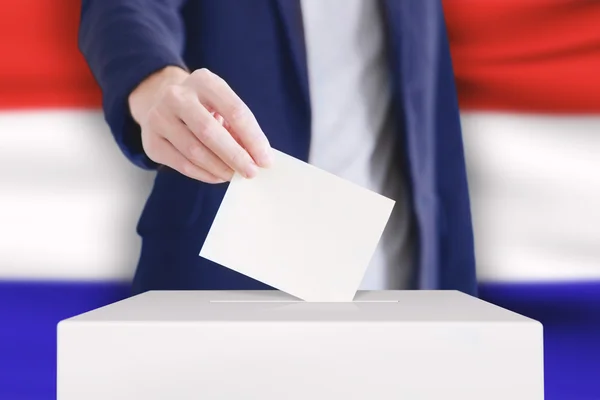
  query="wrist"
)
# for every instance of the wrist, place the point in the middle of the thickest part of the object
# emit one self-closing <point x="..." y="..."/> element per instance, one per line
<point x="144" y="95"/>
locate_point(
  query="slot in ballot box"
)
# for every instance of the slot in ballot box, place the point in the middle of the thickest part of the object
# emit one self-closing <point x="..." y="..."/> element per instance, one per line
<point x="266" y="345"/>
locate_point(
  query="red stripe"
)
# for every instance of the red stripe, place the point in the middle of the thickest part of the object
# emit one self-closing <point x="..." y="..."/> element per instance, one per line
<point x="41" y="65"/>
<point x="530" y="55"/>
<point x="526" y="55"/>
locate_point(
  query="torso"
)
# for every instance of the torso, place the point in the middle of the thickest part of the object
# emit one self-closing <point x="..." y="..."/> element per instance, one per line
<point x="353" y="133"/>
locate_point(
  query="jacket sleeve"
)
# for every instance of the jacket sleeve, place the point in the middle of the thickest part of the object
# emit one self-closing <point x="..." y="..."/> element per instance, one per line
<point x="123" y="42"/>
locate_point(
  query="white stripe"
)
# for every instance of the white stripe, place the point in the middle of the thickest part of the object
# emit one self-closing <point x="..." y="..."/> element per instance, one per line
<point x="69" y="200"/>
<point x="535" y="189"/>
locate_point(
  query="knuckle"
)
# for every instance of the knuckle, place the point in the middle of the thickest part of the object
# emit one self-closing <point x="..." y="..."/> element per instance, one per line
<point x="172" y="94"/>
<point x="237" y="158"/>
<point x="188" y="168"/>
<point x="153" y="117"/>
<point x="202" y="75"/>
<point x="195" y="151"/>
<point x="206" y="133"/>
<point x="240" y="114"/>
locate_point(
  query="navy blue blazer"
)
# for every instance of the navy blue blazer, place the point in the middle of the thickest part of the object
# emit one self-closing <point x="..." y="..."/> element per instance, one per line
<point x="257" y="47"/>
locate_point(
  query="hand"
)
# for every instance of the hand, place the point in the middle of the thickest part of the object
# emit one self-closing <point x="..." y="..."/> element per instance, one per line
<point x="195" y="124"/>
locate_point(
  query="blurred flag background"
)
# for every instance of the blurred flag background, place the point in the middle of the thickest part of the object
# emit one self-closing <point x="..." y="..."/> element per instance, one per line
<point x="527" y="74"/>
<point x="69" y="201"/>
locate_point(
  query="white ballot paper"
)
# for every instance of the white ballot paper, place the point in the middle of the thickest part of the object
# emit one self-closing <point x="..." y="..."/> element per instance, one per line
<point x="298" y="229"/>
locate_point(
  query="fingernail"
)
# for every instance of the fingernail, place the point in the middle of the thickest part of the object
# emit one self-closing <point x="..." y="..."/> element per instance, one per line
<point x="266" y="158"/>
<point x="251" y="171"/>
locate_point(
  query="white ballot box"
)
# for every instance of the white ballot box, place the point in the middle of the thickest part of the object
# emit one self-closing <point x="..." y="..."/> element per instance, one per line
<point x="265" y="345"/>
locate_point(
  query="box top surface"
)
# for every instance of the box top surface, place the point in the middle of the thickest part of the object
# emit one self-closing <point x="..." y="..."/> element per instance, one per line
<point x="273" y="306"/>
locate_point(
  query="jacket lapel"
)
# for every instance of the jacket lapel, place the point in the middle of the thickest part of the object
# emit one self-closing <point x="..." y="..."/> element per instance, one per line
<point x="290" y="12"/>
<point x="414" y="36"/>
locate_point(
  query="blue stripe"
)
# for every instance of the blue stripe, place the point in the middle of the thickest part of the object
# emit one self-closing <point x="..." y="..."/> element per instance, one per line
<point x="570" y="314"/>
<point x="29" y="312"/>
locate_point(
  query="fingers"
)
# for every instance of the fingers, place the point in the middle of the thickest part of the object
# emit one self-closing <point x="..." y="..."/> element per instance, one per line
<point x="168" y="155"/>
<point x="216" y="95"/>
<point x="219" y="119"/>
<point x="201" y="128"/>
<point x="215" y="137"/>
<point x="191" y="148"/>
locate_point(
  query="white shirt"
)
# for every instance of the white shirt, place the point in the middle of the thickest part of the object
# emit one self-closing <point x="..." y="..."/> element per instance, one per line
<point x="353" y="134"/>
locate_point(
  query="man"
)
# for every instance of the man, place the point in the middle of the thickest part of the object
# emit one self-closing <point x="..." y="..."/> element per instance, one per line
<point x="363" y="89"/>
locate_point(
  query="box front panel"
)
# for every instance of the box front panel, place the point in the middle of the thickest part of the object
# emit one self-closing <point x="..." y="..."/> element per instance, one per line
<point x="300" y="361"/>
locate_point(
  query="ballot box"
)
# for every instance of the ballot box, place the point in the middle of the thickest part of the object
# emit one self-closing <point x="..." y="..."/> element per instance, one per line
<point x="266" y="345"/>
